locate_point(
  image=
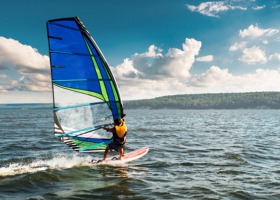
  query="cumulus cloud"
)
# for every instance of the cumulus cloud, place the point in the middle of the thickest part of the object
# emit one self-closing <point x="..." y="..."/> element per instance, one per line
<point x="254" y="31"/>
<point x="215" y="79"/>
<point x="153" y="73"/>
<point x="261" y="80"/>
<point x="253" y="55"/>
<point x="156" y="76"/>
<point x="21" y="57"/>
<point x="155" y="65"/>
<point x="254" y="44"/>
<point x="221" y="80"/>
<point x="31" y="68"/>
<point x="213" y="76"/>
<point x="213" y="8"/>
<point x="126" y="70"/>
<point x="149" y="74"/>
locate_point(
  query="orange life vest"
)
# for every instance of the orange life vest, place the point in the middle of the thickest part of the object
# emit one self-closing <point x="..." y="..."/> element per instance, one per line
<point x="121" y="130"/>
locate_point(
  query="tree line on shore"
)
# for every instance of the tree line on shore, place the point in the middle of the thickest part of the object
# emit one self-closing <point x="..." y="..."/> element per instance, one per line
<point x="250" y="100"/>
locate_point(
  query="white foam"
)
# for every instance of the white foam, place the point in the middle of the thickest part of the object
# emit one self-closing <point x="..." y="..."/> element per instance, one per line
<point x="58" y="161"/>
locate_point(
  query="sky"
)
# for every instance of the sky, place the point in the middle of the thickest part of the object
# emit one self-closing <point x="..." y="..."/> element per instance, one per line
<point x="153" y="47"/>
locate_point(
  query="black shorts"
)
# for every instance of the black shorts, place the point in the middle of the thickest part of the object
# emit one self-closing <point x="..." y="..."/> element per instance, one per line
<point x="115" y="146"/>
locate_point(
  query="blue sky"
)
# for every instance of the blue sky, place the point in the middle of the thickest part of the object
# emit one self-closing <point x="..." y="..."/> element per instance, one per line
<point x="154" y="48"/>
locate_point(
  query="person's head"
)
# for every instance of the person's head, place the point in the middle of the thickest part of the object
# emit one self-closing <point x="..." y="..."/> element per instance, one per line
<point x="118" y="121"/>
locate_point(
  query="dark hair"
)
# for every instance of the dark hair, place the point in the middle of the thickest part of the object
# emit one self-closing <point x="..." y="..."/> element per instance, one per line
<point x="118" y="121"/>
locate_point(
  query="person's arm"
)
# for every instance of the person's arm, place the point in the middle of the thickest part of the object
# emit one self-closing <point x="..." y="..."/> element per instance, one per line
<point x="108" y="129"/>
<point x="124" y="140"/>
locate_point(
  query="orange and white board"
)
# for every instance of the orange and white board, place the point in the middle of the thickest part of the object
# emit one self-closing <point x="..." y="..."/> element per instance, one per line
<point x="128" y="157"/>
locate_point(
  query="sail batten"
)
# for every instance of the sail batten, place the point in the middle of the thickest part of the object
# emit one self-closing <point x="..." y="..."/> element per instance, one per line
<point x="79" y="80"/>
<point x="82" y="105"/>
<point x="64" y="26"/>
<point x="81" y="131"/>
<point x="85" y="93"/>
<point x="72" y="53"/>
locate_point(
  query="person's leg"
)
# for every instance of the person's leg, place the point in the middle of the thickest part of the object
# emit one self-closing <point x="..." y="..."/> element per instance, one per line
<point x="106" y="153"/>
<point x="121" y="153"/>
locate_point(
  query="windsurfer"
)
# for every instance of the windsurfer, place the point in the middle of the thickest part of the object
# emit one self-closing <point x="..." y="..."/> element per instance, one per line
<point x="119" y="138"/>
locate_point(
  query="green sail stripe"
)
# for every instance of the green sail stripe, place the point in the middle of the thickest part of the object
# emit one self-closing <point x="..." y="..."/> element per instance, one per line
<point x="86" y="144"/>
<point x="94" y="94"/>
<point x="99" y="75"/>
<point x="113" y="87"/>
<point x="116" y="96"/>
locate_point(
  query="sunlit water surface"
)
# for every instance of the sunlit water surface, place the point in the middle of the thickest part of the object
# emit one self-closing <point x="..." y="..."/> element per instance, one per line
<point x="194" y="154"/>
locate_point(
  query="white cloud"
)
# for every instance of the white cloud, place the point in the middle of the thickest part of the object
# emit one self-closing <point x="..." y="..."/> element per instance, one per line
<point x="26" y="62"/>
<point x="275" y="56"/>
<point x="208" y="58"/>
<point x="220" y="80"/>
<point x="209" y="8"/>
<point x="155" y="65"/>
<point x="21" y="57"/>
<point x="255" y="31"/>
<point x="126" y="70"/>
<point x="259" y="7"/>
<point x="143" y="82"/>
<point x="253" y="55"/>
<point x="25" y="97"/>
<point x="3" y="90"/>
<point x="261" y="80"/>
<point x="213" y="8"/>
<point x="149" y="74"/>
<point x="152" y="73"/>
<point x="237" y="46"/>
<point x="153" y="51"/>
<point x="213" y="76"/>
<point x="254" y="43"/>
<point x="266" y="42"/>
<point x="214" y="79"/>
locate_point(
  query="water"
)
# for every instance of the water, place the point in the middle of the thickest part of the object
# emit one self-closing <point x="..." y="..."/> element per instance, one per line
<point x="194" y="154"/>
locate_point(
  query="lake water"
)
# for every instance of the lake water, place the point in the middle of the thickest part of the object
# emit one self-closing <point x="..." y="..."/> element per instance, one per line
<point x="194" y="154"/>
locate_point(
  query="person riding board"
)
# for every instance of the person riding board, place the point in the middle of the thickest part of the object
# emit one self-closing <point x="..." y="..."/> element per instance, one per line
<point x="119" y="138"/>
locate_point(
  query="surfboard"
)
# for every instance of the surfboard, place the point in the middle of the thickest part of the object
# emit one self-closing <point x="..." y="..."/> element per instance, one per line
<point x="128" y="157"/>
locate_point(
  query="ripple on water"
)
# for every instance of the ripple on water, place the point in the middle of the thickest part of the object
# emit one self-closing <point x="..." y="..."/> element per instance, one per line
<point x="206" y="154"/>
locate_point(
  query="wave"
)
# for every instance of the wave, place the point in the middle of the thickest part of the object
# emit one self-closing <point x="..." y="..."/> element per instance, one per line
<point x="58" y="161"/>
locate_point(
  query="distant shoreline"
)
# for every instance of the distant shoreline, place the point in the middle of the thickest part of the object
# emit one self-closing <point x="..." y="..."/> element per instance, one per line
<point x="16" y="106"/>
<point x="250" y="100"/>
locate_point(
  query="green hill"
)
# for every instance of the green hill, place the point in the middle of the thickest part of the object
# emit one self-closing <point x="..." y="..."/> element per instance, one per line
<point x="250" y="100"/>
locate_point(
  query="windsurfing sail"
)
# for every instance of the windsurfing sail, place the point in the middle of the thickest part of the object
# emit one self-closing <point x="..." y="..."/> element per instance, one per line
<point x="85" y="93"/>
